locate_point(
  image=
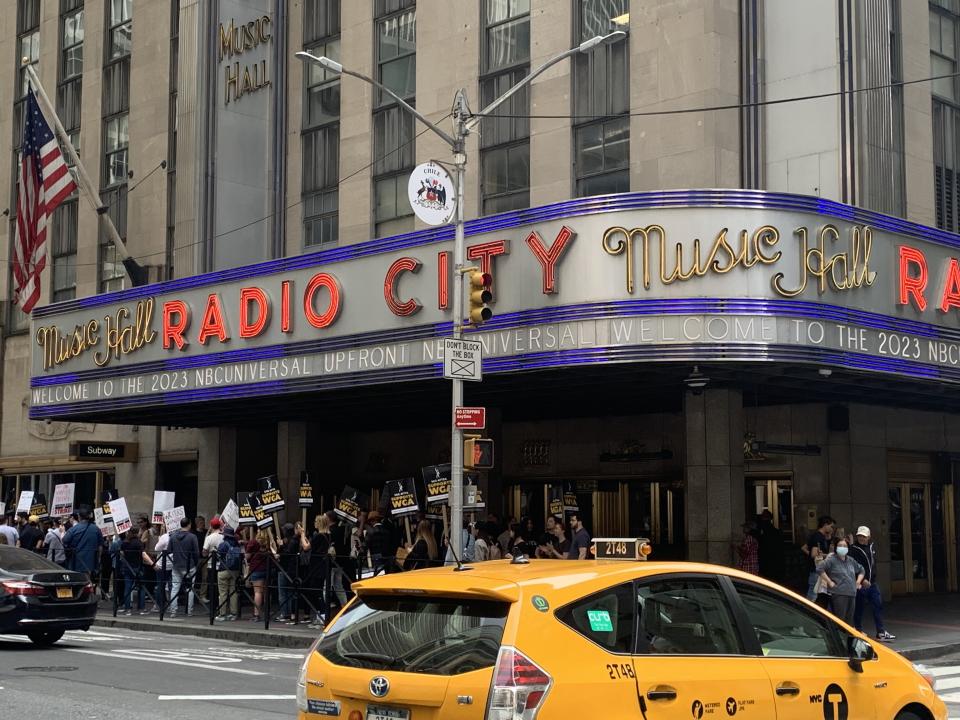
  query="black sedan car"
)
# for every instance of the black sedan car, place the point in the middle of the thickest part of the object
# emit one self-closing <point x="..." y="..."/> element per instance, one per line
<point x="40" y="599"/>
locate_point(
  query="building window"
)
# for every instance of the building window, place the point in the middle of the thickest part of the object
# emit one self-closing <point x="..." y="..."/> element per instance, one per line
<point x="393" y="152"/>
<point x="321" y="125"/>
<point x="322" y="101"/>
<point x="397" y="55"/>
<point x="71" y="24"/>
<point x="505" y="137"/>
<point x="601" y="100"/>
<point x="320" y="167"/>
<point x="112" y="274"/>
<point x="321" y="19"/>
<point x="393" y="128"/>
<point x="116" y="139"/>
<point x="63" y="246"/>
<point x="172" y="104"/>
<point x="944" y="27"/>
<point x="64" y="251"/>
<point x="28" y="53"/>
<point x="119" y="28"/>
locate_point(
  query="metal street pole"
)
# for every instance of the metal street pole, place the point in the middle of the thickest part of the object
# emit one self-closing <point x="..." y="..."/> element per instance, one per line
<point x="456" y="435"/>
<point x="463" y="126"/>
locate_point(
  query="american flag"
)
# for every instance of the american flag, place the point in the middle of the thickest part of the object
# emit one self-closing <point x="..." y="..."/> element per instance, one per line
<point x="45" y="182"/>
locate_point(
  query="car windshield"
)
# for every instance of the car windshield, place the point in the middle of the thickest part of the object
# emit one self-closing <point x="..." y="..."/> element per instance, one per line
<point x="24" y="562"/>
<point x="433" y="635"/>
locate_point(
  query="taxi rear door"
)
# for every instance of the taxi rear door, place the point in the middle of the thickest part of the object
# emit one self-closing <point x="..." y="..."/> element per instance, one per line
<point x="590" y="660"/>
<point x="805" y="656"/>
<point x="691" y="660"/>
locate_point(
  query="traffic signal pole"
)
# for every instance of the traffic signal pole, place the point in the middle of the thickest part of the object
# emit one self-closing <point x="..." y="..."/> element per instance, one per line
<point x="464" y="123"/>
<point x="456" y="435"/>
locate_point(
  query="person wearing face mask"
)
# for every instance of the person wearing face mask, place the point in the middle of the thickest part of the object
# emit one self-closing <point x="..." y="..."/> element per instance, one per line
<point x="842" y="575"/>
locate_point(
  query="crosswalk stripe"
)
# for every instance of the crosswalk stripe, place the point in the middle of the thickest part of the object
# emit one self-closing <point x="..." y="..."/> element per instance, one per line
<point x="949" y="683"/>
<point x="168" y="661"/>
<point x="944" y="670"/>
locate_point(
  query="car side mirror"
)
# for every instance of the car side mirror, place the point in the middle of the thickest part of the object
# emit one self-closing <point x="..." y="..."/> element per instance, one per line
<point x="860" y="651"/>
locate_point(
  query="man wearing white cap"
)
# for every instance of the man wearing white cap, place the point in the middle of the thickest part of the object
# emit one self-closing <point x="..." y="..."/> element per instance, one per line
<point x="865" y="553"/>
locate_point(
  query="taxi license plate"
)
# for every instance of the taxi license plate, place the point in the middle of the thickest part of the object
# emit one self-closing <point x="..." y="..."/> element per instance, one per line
<point x="379" y="712"/>
<point x="64" y="592"/>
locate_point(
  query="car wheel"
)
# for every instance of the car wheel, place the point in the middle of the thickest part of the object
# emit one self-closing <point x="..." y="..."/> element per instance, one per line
<point x="45" y="638"/>
<point x="909" y="715"/>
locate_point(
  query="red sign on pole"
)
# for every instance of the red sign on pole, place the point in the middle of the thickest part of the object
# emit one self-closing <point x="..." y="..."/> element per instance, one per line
<point x="471" y="418"/>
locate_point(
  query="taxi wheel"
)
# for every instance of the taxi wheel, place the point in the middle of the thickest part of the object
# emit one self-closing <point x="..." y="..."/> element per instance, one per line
<point x="909" y="715"/>
<point x="45" y="638"/>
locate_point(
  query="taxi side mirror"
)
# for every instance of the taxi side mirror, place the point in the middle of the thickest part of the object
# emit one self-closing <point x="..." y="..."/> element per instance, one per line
<point x="860" y="651"/>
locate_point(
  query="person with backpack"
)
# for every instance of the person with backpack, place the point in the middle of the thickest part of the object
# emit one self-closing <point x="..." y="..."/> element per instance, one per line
<point x="82" y="544"/>
<point x="185" y="554"/>
<point x="230" y="562"/>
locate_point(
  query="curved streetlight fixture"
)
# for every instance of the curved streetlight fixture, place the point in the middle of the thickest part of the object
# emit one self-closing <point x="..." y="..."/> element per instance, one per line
<point x="464" y="123"/>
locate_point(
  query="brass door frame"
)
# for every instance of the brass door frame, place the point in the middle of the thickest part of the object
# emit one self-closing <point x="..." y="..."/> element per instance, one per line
<point x="909" y="584"/>
<point x="773" y="482"/>
<point x="620" y="519"/>
<point x="950" y="533"/>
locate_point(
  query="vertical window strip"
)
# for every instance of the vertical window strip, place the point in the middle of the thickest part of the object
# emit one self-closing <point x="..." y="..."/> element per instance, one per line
<point x="394" y="145"/>
<point x="115" y="160"/>
<point x="320" y="139"/>
<point x="944" y="51"/>
<point x="64" y="226"/>
<point x="504" y="137"/>
<point x="601" y="101"/>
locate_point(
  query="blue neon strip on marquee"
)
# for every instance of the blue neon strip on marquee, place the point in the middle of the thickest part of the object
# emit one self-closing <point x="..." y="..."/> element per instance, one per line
<point x="723" y="198"/>
<point x="524" y="318"/>
<point x="532" y="361"/>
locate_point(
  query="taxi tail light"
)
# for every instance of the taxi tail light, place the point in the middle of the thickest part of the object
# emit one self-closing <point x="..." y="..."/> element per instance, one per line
<point x="21" y="587"/>
<point x="519" y="687"/>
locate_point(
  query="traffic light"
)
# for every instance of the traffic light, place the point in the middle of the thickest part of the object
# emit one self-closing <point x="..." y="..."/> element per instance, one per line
<point x="478" y="454"/>
<point x="480" y="295"/>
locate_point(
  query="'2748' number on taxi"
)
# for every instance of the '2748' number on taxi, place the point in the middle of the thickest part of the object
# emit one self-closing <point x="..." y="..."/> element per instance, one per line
<point x="616" y="548"/>
<point x="620" y="671"/>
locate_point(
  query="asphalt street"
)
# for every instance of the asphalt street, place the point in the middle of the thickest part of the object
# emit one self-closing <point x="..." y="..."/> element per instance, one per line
<point x="109" y="674"/>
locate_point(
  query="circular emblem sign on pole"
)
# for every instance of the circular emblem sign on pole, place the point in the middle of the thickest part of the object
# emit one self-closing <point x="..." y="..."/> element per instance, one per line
<point x="432" y="194"/>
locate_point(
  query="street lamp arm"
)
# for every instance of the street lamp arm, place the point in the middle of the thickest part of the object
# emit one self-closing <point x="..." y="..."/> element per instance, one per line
<point x="335" y="67"/>
<point x="583" y="47"/>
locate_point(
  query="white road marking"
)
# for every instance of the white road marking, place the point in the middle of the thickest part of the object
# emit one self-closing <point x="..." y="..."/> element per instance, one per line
<point x="169" y="661"/>
<point x="226" y="697"/>
<point x="944" y="670"/>
<point x="254" y="654"/>
<point x="951" y="683"/>
<point x="79" y="636"/>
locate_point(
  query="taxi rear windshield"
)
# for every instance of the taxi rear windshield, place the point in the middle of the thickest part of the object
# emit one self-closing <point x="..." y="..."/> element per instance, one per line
<point x="431" y="635"/>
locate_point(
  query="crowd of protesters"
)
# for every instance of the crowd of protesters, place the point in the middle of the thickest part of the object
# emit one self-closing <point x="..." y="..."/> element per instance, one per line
<point x="311" y="569"/>
<point x="308" y="570"/>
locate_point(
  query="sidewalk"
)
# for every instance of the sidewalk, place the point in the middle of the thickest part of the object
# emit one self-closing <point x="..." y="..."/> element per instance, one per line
<point x="280" y="635"/>
<point x="926" y="626"/>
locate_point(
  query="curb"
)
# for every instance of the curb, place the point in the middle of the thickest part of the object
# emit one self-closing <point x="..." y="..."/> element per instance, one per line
<point x="930" y="652"/>
<point x="252" y="636"/>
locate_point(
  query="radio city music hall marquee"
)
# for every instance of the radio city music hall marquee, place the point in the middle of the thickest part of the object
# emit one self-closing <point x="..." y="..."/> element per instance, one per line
<point x="633" y="283"/>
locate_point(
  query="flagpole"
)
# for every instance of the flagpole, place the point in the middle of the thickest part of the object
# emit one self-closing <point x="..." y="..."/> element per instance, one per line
<point x="135" y="271"/>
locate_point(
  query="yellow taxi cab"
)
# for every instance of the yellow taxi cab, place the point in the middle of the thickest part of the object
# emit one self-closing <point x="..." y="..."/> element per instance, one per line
<point x="557" y="639"/>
